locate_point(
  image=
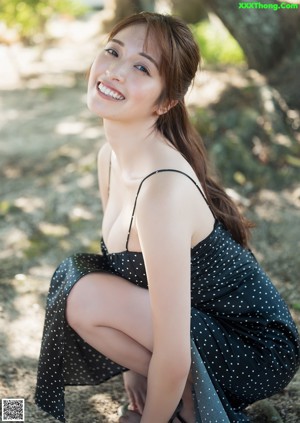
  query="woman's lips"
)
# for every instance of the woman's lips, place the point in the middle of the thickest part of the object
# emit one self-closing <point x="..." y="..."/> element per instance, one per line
<point x="109" y="92"/>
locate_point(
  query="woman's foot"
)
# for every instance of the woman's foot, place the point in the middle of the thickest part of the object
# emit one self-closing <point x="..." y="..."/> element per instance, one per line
<point x="176" y="420"/>
<point x="128" y="416"/>
<point x="187" y="411"/>
<point x="136" y="389"/>
<point x="186" y="415"/>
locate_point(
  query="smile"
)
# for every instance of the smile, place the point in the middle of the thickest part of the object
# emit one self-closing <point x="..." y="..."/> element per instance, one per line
<point x="109" y="92"/>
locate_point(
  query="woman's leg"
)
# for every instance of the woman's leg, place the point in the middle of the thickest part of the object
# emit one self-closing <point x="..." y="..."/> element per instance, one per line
<point x="113" y="316"/>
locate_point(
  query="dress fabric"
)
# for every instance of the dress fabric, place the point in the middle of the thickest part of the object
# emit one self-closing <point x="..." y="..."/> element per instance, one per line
<point x="244" y="343"/>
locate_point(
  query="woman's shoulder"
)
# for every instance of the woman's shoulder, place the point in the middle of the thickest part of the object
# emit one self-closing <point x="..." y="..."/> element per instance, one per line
<point x="166" y="189"/>
<point x="170" y="177"/>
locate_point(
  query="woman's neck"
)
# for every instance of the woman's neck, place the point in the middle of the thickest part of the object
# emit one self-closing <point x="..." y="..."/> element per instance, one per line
<point x="132" y="145"/>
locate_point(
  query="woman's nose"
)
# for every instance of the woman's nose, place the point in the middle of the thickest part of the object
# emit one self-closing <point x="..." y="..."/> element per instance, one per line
<point x="115" y="73"/>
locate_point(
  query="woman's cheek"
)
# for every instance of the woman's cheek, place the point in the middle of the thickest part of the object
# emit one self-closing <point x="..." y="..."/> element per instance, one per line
<point x="145" y="90"/>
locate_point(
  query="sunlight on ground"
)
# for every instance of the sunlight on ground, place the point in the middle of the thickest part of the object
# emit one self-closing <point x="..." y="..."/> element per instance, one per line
<point x="23" y="332"/>
<point x="30" y="204"/>
<point x="70" y="128"/>
<point x="77" y="44"/>
<point x="209" y="85"/>
<point x="79" y="212"/>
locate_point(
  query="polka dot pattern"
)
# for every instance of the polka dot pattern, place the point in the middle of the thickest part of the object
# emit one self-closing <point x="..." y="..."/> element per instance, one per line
<point x="244" y="343"/>
<point x="240" y="326"/>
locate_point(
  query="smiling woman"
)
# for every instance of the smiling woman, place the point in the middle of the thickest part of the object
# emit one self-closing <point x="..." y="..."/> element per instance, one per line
<point x="176" y="301"/>
<point x="125" y="72"/>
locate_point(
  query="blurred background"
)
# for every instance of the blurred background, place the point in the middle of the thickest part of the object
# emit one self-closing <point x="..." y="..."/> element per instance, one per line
<point x="245" y="103"/>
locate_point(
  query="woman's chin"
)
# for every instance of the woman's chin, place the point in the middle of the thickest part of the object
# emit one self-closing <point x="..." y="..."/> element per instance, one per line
<point x="95" y="109"/>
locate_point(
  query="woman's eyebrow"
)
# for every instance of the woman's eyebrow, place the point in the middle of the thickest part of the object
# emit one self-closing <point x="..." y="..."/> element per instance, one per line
<point x="117" y="41"/>
<point x="141" y="54"/>
<point x="149" y="58"/>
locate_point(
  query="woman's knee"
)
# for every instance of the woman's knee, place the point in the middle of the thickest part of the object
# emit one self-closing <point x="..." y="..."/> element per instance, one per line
<point x="82" y="303"/>
<point x="74" y="307"/>
<point x="106" y="300"/>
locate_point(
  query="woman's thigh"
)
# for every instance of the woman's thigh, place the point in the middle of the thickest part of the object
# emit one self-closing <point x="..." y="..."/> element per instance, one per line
<point x="102" y="299"/>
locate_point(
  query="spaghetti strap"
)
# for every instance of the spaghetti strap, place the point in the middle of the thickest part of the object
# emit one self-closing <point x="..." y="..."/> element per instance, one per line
<point x="139" y="189"/>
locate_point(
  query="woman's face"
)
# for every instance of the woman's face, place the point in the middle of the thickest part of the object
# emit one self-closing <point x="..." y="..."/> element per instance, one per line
<point x="124" y="82"/>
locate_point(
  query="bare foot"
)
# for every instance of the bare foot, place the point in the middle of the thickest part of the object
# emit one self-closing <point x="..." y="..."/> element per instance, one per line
<point x="184" y="418"/>
<point x="130" y="417"/>
<point x="188" y="411"/>
<point x="136" y="389"/>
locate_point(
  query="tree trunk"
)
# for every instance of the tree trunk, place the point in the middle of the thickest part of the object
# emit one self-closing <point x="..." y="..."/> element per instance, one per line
<point x="269" y="38"/>
<point x="121" y="8"/>
<point x="147" y="5"/>
<point x="264" y="34"/>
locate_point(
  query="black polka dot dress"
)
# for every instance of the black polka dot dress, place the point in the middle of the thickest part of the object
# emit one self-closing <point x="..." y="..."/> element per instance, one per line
<point x="244" y="343"/>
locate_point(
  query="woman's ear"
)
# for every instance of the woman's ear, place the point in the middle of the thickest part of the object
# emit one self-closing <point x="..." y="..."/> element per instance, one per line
<point x="161" y="110"/>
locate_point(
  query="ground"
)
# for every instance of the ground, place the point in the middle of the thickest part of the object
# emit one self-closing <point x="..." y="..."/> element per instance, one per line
<point x="49" y="209"/>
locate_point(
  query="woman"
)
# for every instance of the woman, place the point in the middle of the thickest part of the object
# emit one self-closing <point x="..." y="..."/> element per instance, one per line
<point x="177" y="300"/>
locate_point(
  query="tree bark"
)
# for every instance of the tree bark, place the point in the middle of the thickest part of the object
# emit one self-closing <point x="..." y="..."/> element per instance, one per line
<point x="121" y="8"/>
<point x="265" y="35"/>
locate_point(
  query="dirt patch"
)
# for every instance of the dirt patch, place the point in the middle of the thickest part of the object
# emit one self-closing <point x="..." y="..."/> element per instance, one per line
<point x="49" y="209"/>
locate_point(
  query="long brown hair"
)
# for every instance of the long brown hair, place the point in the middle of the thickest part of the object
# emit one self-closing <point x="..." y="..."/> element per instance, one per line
<point x="180" y="59"/>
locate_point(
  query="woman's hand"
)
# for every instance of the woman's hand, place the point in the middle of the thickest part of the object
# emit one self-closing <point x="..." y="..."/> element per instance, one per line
<point x="136" y="388"/>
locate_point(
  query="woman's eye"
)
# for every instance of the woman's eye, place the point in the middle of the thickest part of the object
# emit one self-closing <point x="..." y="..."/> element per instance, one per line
<point x="142" y="69"/>
<point x="111" y="51"/>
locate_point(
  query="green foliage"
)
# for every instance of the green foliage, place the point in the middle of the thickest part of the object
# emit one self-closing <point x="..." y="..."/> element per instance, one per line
<point x="250" y="148"/>
<point x="28" y="17"/>
<point x="296" y="306"/>
<point x="216" y="43"/>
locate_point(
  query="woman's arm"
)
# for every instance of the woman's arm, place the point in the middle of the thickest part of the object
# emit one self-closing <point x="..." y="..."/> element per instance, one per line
<point x="104" y="156"/>
<point x="164" y="227"/>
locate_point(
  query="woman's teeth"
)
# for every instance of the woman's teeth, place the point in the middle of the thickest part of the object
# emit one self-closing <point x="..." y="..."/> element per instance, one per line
<point x="109" y="92"/>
